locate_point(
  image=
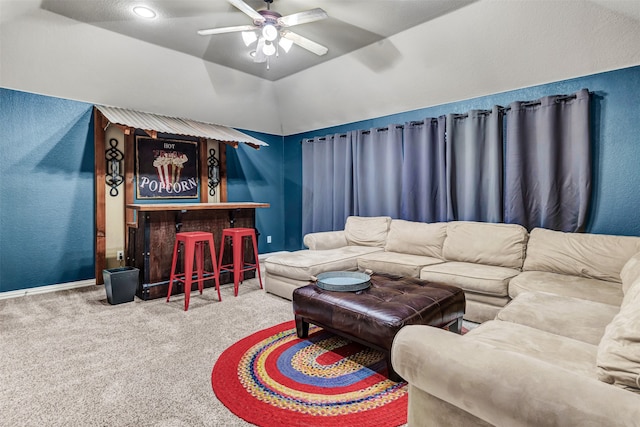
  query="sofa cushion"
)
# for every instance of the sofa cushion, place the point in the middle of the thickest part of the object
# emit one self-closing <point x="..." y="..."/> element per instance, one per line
<point x="573" y="355"/>
<point x="571" y="286"/>
<point x="301" y="265"/>
<point x="367" y="231"/>
<point x="618" y="359"/>
<point x="575" y="318"/>
<point x="395" y="263"/>
<point x="480" y="312"/>
<point x="417" y="238"/>
<point x="630" y="272"/>
<point x="484" y="279"/>
<point x="594" y="256"/>
<point x="325" y="240"/>
<point x="501" y="245"/>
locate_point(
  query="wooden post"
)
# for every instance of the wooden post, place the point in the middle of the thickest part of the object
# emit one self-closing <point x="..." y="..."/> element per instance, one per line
<point x="99" y="124"/>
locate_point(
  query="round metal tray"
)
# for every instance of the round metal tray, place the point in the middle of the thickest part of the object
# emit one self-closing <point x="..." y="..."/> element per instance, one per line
<point x="343" y="281"/>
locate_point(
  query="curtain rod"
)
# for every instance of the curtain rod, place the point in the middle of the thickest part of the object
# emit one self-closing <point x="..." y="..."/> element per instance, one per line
<point x="382" y="129"/>
<point x="559" y="98"/>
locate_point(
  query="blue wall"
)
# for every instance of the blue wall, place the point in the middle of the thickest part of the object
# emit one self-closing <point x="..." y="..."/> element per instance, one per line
<point x="47" y="183"/>
<point x="616" y="147"/>
<point x="46" y="191"/>
<point x="256" y="176"/>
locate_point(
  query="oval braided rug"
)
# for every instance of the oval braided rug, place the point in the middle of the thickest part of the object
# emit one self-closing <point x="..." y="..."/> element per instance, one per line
<point x="273" y="378"/>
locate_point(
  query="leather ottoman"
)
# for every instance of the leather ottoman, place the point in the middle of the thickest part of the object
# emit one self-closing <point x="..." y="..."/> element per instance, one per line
<point x="373" y="316"/>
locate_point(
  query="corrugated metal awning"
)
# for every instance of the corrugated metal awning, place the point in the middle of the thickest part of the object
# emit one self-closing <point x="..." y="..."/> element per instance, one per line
<point x="154" y="123"/>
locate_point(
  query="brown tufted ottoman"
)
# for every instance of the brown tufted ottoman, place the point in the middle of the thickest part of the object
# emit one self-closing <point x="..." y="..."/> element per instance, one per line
<point x="373" y="316"/>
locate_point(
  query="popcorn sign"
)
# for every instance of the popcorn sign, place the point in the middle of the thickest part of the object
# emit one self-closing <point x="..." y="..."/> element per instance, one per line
<point x="167" y="168"/>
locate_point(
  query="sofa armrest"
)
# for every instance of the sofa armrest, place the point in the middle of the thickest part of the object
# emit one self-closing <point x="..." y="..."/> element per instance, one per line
<point x="325" y="240"/>
<point x="506" y="388"/>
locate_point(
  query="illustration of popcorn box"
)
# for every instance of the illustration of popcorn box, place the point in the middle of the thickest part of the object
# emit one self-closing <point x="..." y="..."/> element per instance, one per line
<point x="169" y="168"/>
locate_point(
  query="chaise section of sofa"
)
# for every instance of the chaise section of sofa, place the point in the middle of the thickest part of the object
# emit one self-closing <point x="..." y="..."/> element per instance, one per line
<point x="328" y="251"/>
<point x="481" y="258"/>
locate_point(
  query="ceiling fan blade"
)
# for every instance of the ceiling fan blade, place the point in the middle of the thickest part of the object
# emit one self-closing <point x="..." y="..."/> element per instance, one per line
<point x="260" y="55"/>
<point x="253" y="14"/>
<point x="305" y="43"/>
<point x="223" y="30"/>
<point x="303" y="17"/>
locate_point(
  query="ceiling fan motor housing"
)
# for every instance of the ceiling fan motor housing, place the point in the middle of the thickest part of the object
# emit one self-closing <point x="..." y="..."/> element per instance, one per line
<point x="270" y="17"/>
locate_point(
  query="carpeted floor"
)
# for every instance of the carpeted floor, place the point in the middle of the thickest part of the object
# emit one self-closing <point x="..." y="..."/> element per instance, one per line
<point x="69" y="358"/>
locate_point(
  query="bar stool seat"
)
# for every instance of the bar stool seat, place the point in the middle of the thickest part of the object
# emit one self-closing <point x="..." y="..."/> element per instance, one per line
<point x="193" y="244"/>
<point x="239" y="265"/>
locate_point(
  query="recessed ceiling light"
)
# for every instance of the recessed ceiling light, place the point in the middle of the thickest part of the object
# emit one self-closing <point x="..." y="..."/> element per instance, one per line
<point x="144" y="12"/>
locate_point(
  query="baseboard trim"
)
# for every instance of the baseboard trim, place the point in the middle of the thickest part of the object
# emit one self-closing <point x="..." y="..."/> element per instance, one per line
<point x="47" y="288"/>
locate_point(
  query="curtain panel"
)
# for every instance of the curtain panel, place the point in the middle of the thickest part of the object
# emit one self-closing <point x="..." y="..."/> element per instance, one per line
<point x="474" y="162"/>
<point x="548" y="162"/>
<point x="327" y="182"/>
<point x="424" y="185"/>
<point x="378" y="172"/>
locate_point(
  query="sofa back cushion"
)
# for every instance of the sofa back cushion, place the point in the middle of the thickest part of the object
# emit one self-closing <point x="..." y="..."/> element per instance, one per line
<point x="416" y="238"/>
<point x="630" y="273"/>
<point x="502" y="245"/>
<point x="367" y="231"/>
<point x="618" y="358"/>
<point x="596" y="256"/>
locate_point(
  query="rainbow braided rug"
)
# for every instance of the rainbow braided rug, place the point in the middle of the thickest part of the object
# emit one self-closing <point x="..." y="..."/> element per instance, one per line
<point x="273" y="378"/>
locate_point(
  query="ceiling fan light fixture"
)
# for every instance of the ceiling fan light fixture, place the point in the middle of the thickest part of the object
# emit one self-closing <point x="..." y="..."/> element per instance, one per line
<point x="269" y="32"/>
<point x="144" y="12"/>
<point x="249" y="37"/>
<point x="268" y="49"/>
<point x="285" y="44"/>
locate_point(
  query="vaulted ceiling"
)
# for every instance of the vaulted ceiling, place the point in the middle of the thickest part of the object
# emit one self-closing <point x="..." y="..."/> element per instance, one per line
<point x="385" y="56"/>
<point x="351" y="25"/>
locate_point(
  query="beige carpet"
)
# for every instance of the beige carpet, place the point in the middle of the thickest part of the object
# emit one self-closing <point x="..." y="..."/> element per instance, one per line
<point x="70" y="359"/>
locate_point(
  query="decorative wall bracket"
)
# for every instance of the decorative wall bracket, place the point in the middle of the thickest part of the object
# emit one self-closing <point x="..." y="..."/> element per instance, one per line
<point x="114" y="175"/>
<point x="214" y="171"/>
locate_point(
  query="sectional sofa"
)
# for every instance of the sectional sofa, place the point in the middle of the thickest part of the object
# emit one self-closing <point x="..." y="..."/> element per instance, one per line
<point x="492" y="263"/>
<point x="559" y="340"/>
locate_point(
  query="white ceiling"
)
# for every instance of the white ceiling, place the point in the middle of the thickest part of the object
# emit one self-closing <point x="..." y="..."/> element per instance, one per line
<point x="446" y="54"/>
<point x="351" y="25"/>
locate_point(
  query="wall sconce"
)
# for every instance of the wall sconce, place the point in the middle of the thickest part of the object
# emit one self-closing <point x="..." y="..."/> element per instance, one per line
<point x="114" y="176"/>
<point x="214" y="171"/>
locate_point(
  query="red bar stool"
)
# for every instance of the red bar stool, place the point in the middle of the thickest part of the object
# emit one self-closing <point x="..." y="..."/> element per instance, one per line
<point x="239" y="265"/>
<point x="193" y="243"/>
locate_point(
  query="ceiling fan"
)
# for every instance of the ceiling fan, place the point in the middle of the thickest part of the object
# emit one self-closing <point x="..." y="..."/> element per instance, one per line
<point x="270" y="28"/>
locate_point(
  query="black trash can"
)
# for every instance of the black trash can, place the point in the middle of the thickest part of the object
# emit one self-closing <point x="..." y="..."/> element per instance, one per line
<point x="121" y="284"/>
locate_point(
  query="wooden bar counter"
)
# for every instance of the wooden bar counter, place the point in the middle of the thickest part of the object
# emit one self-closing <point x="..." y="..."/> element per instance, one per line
<point x="151" y="237"/>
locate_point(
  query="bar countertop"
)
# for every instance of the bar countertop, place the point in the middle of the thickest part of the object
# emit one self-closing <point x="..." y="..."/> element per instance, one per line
<point x="195" y="206"/>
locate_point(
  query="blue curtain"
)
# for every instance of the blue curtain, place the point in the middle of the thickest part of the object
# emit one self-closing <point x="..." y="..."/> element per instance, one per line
<point x="327" y="187"/>
<point x="455" y="168"/>
<point x="424" y="194"/>
<point x="474" y="162"/>
<point x="378" y="172"/>
<point x="548" y="162"/>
